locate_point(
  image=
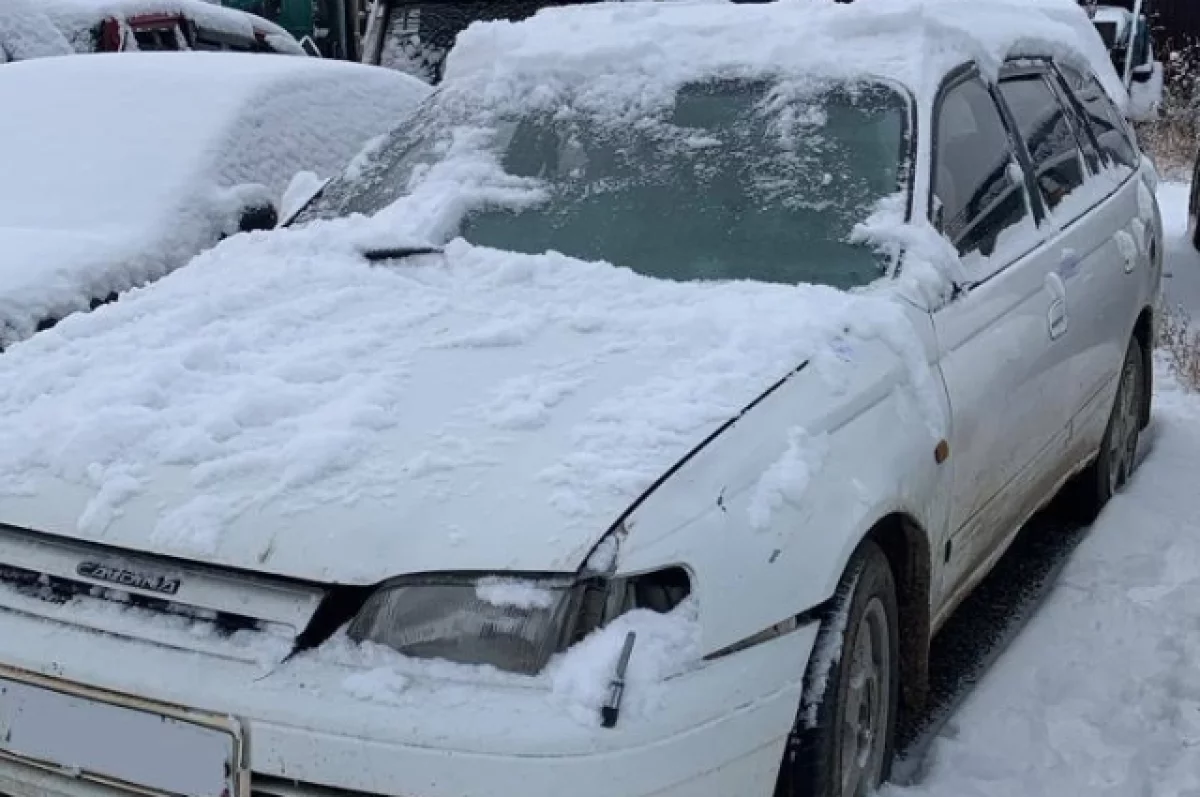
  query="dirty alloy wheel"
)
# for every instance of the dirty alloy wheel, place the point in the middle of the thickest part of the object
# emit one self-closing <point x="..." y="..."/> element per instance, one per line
<point x="1117" y="458"/>
<point x="841" y="745"/>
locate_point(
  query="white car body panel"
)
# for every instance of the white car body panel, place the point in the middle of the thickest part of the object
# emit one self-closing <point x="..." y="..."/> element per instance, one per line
<point x="732" y="712"/>
<point x="749" y="579"/>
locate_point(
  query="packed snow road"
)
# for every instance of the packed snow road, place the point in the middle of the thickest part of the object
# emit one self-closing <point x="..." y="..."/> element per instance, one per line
<point x="1099" y="693"/>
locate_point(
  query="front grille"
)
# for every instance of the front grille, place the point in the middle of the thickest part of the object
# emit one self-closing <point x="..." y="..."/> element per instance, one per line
<point x="59" y="590"/>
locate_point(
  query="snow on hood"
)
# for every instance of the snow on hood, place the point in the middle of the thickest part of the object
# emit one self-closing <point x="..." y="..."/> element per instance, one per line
<point x="142" y="154"/>
<point x="632" y="52"/>
<point x="77" y="18"/>
<point x="280" y="404"/>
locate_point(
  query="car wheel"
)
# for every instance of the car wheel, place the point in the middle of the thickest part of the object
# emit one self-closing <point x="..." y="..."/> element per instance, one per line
<point x="1115" y="462"/>
<point x="841" y="745"/>
<point x="1194" y="206"/>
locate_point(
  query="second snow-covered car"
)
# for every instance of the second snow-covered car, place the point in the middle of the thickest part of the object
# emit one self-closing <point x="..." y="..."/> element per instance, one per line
<point x="118" y="169"/>
<point x="625" y="423"/>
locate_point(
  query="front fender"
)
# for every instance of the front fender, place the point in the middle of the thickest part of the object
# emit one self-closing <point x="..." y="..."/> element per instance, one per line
<point x="767" y="515"/>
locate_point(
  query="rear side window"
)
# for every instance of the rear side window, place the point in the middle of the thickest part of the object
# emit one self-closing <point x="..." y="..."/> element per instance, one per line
<point x="1079" y="123"/>
<point x="1116" y="144"/>
<point x="1053" y="149"/>
<point x="980" y="190"/>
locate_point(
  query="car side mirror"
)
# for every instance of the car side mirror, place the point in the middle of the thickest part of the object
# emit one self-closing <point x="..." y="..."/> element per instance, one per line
<point x="258" y="216"/>
<point x="1143" y="73"/>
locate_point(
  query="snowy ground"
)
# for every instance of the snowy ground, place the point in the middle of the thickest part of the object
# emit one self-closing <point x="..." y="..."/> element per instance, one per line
<point x="1100" y="694"/>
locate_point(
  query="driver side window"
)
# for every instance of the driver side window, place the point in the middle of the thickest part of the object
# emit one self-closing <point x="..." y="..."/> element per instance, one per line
<point x="980" y="200"/>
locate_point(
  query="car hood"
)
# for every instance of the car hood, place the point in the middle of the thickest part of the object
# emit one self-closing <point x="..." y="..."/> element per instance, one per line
<point x="282" y="406"/>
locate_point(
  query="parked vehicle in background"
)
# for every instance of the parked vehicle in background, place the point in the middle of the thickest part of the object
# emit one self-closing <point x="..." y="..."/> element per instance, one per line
<point x="139" y="162"/>
<point x="26" y="32"/>
<point x="333" y="27"/>
<point x="416" y="37"/>
<point x="1125" y="29"/>
<point x="93" y="26"/>
<point x="625" y="422"/>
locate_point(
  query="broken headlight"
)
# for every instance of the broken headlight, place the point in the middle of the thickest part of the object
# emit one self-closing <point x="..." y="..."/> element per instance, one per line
<point x="513" y="623"/>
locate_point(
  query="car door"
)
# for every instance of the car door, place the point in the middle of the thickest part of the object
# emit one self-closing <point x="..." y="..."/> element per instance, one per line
<point x="1083" y="229"/>
<point x="996" y="337"/>
<point x="1106" y="295"/>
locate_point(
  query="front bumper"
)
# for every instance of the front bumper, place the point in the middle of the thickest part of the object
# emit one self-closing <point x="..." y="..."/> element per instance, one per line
<point x="718" y="730"/>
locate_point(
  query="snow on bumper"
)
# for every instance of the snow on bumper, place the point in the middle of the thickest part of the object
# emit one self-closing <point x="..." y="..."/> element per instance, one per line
<point x="718" y="730"/>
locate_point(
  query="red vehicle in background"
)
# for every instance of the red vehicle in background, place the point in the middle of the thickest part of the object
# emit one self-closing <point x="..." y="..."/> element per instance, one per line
<point x="136" y="25"/>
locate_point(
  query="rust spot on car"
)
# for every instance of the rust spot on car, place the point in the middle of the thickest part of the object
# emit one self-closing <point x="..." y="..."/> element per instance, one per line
<point x="942" y="452"/>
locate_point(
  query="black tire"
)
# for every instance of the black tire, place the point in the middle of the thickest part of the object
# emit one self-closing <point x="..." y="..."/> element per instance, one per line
<point x="1117" y="458"/>
<point x="1194" y="206"/>
<point x="812" y="763"/>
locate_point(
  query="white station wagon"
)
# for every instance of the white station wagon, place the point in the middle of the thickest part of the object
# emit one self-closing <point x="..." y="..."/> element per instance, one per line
<point x="624" y="423"/>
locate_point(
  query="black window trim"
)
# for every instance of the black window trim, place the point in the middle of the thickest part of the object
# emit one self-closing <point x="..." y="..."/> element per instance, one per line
<point x="1121" y="124"/>
<point x="1026" y="67"/>
<point x="962" y="74"/>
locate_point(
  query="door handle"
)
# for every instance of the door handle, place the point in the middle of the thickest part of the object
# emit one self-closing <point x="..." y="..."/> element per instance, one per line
<point x="1056" y="314"/>
<point x="1057" y="318"/>
<point x="1129" y="247"/>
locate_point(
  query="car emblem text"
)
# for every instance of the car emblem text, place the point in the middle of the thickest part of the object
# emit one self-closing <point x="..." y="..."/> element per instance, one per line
<point x="128" y="578"/>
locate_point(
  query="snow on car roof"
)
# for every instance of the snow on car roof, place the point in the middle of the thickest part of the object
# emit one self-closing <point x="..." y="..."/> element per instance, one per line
<point x="631" y="52"/>
<point x="130" y="139"/>
<point x="78" y="17"/>
<point x="26" y="32"/>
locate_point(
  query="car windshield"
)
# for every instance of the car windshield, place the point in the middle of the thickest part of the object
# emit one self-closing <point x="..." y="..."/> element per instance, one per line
<point x="737" y="180"/>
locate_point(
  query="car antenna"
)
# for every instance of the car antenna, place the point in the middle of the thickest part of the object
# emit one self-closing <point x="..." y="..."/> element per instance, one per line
<point x="611" y="710"/>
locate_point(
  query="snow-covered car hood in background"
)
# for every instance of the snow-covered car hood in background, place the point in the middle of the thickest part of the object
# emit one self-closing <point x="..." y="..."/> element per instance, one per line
<point x="49" y="273"/>
<point x="144" y="159"/>
<point x="281" y="405"/>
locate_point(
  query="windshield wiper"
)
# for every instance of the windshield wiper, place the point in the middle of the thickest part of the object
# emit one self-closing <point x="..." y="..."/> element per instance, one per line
<point x="399" y="252"/>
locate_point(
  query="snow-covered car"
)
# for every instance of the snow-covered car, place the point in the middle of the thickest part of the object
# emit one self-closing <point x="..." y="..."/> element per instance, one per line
<point x="1125" y="29"/>
<point x="95" y="26"/>
<point x="26" y="32"/>
<point x="143" y="160"/>
<point x="170" y="25"/>
<point x="626" y="422"/>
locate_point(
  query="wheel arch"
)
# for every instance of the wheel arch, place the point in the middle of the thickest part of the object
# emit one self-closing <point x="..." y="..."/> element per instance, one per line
<point x="1143" y="332"/>
<point x="909" y="552"/>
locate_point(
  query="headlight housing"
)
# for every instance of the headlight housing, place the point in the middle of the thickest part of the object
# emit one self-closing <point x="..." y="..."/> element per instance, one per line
<point x="512" y="622"/>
